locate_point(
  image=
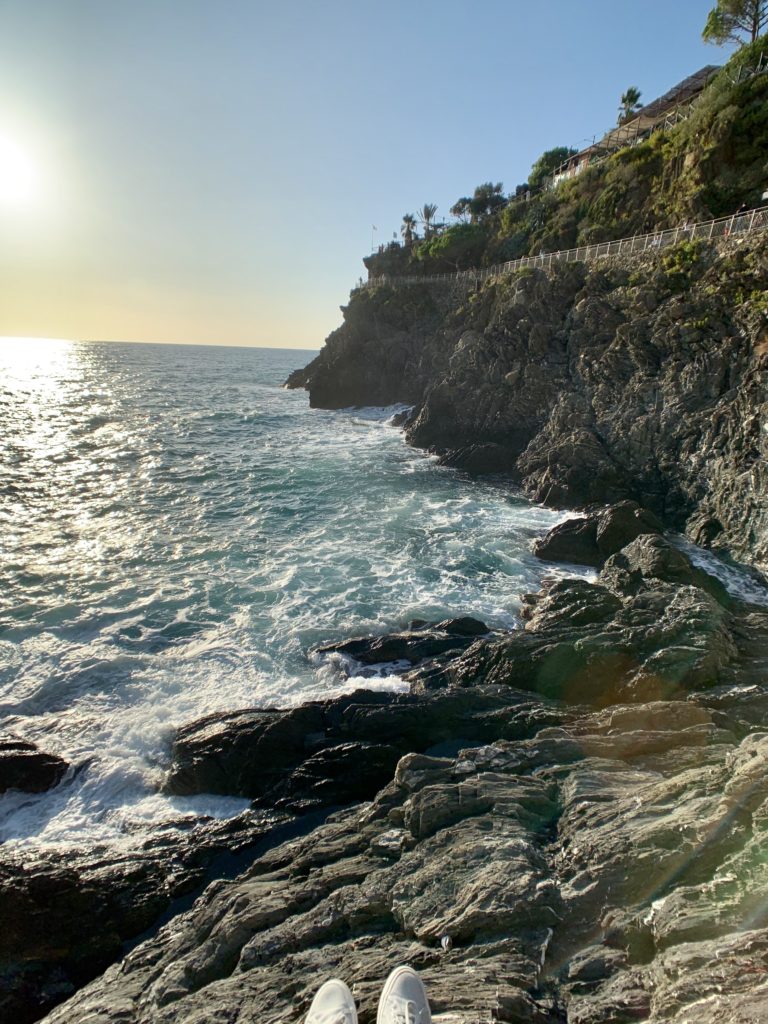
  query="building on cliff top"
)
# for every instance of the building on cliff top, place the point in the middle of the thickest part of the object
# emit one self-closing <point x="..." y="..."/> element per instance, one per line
<point x="666" y="111"/>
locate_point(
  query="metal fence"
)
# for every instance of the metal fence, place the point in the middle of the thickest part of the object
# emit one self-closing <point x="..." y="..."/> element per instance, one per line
<point x="633" y="135"/>
<point x="711" y="230"/>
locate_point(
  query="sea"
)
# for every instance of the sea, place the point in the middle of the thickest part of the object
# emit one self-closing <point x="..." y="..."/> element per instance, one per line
<point x="178" y="533"/>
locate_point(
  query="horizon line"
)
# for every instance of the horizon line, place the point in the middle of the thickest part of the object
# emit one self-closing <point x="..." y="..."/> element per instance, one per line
<point x="134" y="341"/>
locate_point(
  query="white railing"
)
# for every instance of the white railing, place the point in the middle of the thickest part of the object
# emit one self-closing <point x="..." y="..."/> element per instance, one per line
<point x="722" y="227"/>
<point x="631" y="137"/>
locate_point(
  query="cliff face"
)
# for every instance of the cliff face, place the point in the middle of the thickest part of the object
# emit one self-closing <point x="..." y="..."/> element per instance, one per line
<point x="641" y="379"/>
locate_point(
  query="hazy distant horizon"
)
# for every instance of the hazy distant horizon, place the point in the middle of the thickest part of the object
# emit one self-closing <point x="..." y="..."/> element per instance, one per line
<point x="12" y="339"/>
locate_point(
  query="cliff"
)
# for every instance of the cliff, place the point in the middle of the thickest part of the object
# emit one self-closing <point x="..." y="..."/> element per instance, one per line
<point x="639" y="378"/>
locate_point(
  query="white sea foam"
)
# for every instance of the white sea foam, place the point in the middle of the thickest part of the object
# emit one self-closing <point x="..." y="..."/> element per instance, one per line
<point x="740" y="581"/>
<point x="181" y="532"/>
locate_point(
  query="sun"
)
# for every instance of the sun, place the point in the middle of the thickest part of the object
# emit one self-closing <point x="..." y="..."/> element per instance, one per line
<point x="18" y="174"/>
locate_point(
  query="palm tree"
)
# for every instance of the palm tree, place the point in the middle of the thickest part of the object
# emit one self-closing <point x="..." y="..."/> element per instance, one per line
<point x="426" y="216"/>
<point x="630" y="104"/>
<point x="408" y="228"/>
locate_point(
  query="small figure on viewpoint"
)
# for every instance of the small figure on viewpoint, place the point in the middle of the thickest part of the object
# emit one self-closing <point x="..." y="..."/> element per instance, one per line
<point x="403" y="1001"/>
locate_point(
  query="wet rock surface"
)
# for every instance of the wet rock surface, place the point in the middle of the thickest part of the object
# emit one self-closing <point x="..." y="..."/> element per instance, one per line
<point x="580" y="806"/>
<point x="418" y="643"/>
<point x="595" y="537"/>
<point x="25" y="767"/>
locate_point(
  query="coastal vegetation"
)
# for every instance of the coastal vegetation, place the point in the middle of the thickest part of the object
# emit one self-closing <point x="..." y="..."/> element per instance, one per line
<point x="708" y="165"/>
<point x="731" y="20"/>
<point x="630" y="104"/>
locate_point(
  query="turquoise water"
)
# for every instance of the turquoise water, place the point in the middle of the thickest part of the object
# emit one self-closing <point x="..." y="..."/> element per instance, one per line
<point x="178" y="532"/>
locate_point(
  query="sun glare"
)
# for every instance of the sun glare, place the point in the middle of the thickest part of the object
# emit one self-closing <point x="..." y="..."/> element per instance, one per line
<point x="18" y="174"/>
<point x="20" y="356"/>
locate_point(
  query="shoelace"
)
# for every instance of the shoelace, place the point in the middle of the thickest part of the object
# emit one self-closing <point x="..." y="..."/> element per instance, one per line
<point x="330" y="1017"/>
<point x="403" y="1011"/>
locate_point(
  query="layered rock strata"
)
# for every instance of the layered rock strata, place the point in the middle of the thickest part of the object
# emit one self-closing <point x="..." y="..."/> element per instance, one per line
<point x="566" y="822"/>
<point x="642" y="378"/>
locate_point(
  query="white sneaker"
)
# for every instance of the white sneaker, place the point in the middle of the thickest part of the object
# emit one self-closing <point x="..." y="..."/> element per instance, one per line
<point x="333" y="1004"/>
<point x="403" y="999"/>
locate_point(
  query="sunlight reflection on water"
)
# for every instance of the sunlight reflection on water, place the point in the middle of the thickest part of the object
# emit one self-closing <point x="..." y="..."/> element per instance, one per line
<point x="178" y="531"/>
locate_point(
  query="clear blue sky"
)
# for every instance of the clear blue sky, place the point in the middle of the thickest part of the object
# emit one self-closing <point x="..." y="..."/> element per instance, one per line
<point x="209" y="170"/>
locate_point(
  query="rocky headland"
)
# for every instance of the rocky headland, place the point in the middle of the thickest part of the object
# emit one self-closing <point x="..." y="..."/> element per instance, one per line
<point x="563" y="822"/>
<point x="628" y="378"/>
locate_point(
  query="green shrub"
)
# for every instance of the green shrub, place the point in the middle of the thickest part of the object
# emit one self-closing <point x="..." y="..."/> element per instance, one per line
<point x="681" y="262"/>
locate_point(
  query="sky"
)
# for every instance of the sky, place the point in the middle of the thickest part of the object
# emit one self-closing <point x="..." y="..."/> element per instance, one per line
<point x="211" y="171"/>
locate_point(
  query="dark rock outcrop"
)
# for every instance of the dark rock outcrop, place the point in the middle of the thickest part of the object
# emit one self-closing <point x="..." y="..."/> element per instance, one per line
<point x="604" y="871"/>
<point x="66" y="914"/>
<point x="23" y="766"/>
<point x="274" y="755"/>
<point x="587" y="383"/>
<point x="597" y="536"/>
<point x="417" y="644"/>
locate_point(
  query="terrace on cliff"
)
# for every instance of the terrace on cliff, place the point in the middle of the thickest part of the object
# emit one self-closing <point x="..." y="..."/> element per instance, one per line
<point x="705" y="159"/>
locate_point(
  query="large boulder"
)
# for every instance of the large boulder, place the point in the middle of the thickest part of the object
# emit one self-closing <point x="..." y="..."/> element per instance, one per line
<point x="591" y="539"/>
<point x="651" y="557"/>
<point x="651" y="627"/>
<point x="414" y="645"/>
<point x="23" y="766"/>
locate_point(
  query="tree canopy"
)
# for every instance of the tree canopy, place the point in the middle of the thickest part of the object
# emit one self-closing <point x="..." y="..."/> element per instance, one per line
<point x="630" y="104"/>
<point x="736" y="21"/>
<point x="485" y="200"/>
<point x="548" y="163"/>
<point x="427" y="217"/>
<point x="408" y="229"/>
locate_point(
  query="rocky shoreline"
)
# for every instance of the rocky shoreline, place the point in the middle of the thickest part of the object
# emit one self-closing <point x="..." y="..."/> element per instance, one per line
<point x="641" y="378"/>
<point x="562" y="822"/>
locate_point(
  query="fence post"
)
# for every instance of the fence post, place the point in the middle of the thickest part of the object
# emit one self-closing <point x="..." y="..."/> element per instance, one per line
<point x="752" y="220"/>
<point x="711" y="228"/>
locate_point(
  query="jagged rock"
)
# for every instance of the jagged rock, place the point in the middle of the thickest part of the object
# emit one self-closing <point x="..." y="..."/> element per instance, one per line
<point x="627" y="637"/>
<point x="327" y="752"/>
<point x="568" y="889"/>
<point x="654" y="558"/>
<point x="66" y="915"/>
<point x="23" y="766"/>
<point x="597" y="536"/>
<point x="419" y="643"/>
<point x="334" y="775"/>
<point x="482" y="459"/>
